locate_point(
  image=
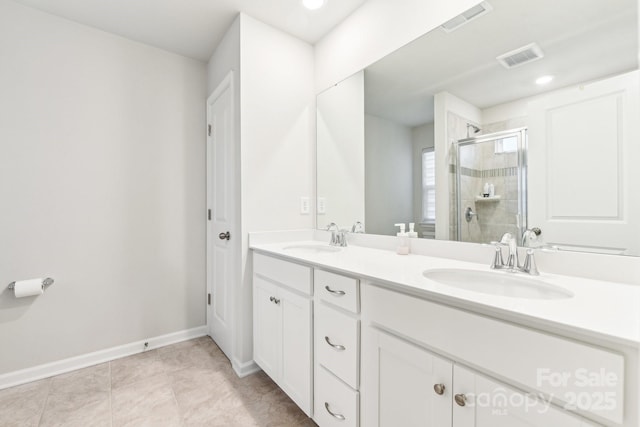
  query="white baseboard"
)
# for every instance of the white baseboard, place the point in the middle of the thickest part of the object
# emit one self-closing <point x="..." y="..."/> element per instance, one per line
<point x="39" y="372"/>
<point x="244" y="369"/>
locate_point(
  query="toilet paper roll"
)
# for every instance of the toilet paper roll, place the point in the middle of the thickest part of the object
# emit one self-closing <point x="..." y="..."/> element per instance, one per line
<point x="28" y="288"/>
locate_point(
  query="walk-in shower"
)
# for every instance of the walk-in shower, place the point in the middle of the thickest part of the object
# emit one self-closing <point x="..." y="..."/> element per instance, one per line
<point x="489" y="196"/>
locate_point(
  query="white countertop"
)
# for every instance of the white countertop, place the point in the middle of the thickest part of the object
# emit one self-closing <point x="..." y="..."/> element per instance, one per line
<point x="600" y="310"/>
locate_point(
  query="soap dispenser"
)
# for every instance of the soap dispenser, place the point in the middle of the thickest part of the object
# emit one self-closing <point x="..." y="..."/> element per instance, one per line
<point x="403" y="241"/>
<point x="412" y="233"/>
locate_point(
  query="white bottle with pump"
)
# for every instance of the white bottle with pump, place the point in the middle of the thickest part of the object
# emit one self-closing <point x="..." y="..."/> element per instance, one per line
<point x="403" y="241"/>
<point x="412" y="233"/>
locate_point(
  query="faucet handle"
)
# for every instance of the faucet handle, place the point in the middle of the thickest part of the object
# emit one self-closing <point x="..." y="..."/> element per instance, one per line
<point x="357" y="227"/>
<point x="529" y="265"/>
<point x="498" y="261"/>
<point x="342" y="237"/>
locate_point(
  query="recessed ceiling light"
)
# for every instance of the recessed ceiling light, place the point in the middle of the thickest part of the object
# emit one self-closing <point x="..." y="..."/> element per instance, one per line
<point x="313" y="4"/>
<point x="543" y="80"/>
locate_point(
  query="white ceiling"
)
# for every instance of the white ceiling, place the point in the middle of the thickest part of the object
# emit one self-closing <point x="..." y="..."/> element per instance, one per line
<point x="194" y="28"/>
<point x="582" y="40"/>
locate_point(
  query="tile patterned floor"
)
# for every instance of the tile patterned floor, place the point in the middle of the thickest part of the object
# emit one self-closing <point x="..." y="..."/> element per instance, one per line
<point x="186" y="384"/>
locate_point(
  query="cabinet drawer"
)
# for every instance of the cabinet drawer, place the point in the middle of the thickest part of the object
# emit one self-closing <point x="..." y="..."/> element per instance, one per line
<point x="287" y="273"/>
<point x="335" y="397"/>
<point x="530" y="359"/>
<point x="338" y="290"/>
<point x="337" y="343"/>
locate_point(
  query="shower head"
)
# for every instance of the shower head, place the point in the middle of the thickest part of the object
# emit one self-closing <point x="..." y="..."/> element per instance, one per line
<point x="475" y="128"/>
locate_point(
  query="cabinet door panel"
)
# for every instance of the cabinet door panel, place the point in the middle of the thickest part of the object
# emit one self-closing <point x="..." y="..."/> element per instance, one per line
<point x="406" y="376"/>
<point x="267" y="330"/>
<point x="296" y="365"/>
<point x="492" y="404"/>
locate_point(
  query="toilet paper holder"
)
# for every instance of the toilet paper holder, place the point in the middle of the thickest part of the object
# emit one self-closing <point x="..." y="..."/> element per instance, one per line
<point x="46" y="282"/>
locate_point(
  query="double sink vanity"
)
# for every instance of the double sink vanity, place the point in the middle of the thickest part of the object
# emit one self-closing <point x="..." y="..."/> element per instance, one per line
<point x="362" y="336"/>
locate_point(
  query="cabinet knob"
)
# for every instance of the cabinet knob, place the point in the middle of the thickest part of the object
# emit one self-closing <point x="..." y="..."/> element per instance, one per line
<point x="460" y="399"/>
<point x="333" y="414"/>
<point x="439" y="389"/>
<point x="274" y="300"/>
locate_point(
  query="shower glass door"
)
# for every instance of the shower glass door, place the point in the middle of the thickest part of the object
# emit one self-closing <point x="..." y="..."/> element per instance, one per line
<point x="490" y="191"/>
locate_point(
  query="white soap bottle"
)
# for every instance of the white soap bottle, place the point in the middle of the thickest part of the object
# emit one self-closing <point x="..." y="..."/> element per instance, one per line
<point x="492" y="190"/>
<point x="403" y="241"/>
<point x="485" y="189"/>
<point x="412" y="233"/>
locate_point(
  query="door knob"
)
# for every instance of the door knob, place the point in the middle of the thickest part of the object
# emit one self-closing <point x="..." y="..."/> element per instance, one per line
<point x="224" y="236"/>
<point x="439" y="389"/>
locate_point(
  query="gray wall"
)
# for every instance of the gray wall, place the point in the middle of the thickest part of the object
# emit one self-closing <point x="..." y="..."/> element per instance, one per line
<point x="388" y="175"/>
<point x="102" y="185"/>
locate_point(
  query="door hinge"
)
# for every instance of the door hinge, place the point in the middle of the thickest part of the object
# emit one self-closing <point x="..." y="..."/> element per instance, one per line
<point x="209" y="130"/>
<point x="209" y="214"/>
<point x="209" y="299"/>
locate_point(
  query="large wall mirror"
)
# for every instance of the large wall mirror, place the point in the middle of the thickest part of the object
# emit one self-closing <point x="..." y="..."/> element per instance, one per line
<point x="512" y="116"/>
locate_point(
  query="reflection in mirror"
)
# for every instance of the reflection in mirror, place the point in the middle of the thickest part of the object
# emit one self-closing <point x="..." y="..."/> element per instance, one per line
<point x="563" y="77"/>
<point x="340" y="148"/>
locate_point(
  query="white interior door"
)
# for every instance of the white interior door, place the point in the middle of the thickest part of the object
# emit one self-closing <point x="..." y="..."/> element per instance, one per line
<point x="221" y="233"/>
<point x="583" y="166"/>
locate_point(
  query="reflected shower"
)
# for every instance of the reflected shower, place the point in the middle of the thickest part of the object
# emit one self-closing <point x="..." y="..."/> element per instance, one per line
<point x="475" y="128"/>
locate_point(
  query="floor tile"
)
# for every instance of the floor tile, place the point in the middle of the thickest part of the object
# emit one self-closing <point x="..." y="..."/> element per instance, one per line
<point x="186" y="384"/>
<point x="77" y="409"/>
<point x="139" y="367"/>
<point x="148" y="402"/>
<point x="23" y="405"/>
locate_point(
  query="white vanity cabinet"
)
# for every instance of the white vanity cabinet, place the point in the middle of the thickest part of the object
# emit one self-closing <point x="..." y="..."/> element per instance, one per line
<point x="352" y="352"/>
<point x="282" y="322"/>
<point x="415" y="358"/>
<point x="410" y="386"/>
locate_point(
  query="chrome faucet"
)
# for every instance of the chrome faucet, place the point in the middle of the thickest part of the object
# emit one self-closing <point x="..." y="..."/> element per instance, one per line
<point x="338" y="236"/>
<point x="357" y="227"/>
<point x="333" y="228"/>
<point x="512" y="264"/>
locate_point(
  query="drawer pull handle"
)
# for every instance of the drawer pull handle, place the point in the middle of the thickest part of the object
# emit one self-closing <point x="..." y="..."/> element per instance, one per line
<point x="336" y="346"/>
<point x="336" y="293"/>
<point x="439" y="389"/>
<point x="460" y="399"/>
<point x="334" y="415"/>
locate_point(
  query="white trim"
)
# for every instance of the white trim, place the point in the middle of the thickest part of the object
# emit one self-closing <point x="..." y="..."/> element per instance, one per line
<point x="39" y="372"/>
<point x="244" y="369"/>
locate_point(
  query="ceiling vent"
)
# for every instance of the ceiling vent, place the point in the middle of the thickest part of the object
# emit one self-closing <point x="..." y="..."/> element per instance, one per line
<point x="521" y="56"/>
<point x="467" y="16"/>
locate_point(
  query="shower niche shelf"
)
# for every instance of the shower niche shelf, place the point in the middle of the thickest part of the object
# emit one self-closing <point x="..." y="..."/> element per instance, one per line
<point x="488" y="199"/>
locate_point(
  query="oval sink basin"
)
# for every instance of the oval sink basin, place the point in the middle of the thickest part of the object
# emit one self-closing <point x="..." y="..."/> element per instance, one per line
<point x="312" y="249"/>
<point x="497" y="283"/>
